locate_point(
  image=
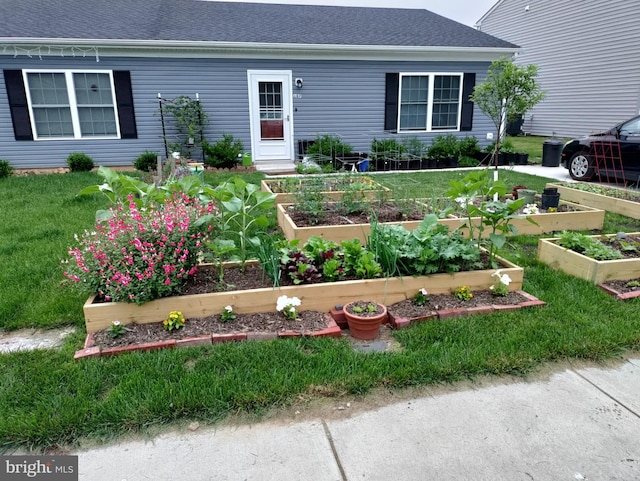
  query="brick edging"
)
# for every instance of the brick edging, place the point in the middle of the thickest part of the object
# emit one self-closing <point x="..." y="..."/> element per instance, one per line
<point x="91" y="350"/>
<point x="621" y="296"/>
<point x="403" y="322"/>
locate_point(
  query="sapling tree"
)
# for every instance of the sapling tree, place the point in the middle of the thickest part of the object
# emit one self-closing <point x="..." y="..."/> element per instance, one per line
<point x="507" y="92"/>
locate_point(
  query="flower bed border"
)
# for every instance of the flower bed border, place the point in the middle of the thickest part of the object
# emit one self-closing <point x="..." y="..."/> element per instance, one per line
<point x="583" y="267"/>
<point x="624" y="207"/>
<point x="92" y="350"/>
<point x="442" y="314"/>
<point x="315" y="297"/>
<point x="621" y="296"/>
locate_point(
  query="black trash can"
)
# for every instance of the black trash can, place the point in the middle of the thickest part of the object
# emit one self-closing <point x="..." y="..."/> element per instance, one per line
<point x="551" y="153"/>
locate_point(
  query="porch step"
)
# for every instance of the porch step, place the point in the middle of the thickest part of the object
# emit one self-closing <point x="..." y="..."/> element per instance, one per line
<point x="273" y="167"/>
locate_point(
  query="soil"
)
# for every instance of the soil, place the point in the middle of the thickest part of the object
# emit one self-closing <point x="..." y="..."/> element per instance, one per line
<point x="627" y="253"/>
<point x="622" y="286"/>
<point x="336" y="214"/>
<point x="259" y="322"/>
<point x="439" y="302"/>
<point x="329" y="184"/>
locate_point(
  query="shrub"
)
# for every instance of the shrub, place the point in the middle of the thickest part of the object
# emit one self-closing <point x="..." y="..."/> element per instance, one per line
<point x="469" y="146"/>
<point x="444" y="147"/>
<point x="79" y="162"/>
<point x="5" y="169"/>
<point x="138" y="255"/>
<point x="146" y="161"/>
<point x="327" y="147"/>
<point x="224" y="153"/>
<point x="385" y="146"/>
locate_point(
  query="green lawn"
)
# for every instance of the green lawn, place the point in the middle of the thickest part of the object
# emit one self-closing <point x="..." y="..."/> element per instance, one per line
<point x="47" y="399"/>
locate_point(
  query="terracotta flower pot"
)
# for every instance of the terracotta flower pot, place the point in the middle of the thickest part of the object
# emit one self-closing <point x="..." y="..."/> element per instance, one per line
<point x="365" y="325"/>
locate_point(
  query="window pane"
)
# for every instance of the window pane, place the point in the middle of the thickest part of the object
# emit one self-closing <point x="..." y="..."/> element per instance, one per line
<point x="53" y="122"/>
<point x="48" y="89"/>
<point x="446" y="96"/>
<point x="97" y="121"/>
<point x="93" y="89"/>
<point x="414" y="97"/>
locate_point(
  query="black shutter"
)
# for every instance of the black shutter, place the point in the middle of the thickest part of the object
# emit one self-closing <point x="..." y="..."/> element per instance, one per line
<point x="124" y="99"/>
<point x="466" y="120"/>
<point x="18" y="104"/>
<point x="391" y="101"/>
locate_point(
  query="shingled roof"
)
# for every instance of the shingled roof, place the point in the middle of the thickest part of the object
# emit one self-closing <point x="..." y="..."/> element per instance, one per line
<point x="167" y="21"/>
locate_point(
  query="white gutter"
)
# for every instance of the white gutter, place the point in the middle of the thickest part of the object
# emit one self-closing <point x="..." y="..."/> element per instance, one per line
<point x="110" y="47"/>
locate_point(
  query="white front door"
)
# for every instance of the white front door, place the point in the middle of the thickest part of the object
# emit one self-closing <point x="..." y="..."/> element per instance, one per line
<point x="270" y="114"/>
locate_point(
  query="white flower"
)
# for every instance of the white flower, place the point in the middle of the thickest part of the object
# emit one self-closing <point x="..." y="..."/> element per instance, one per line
<point x="423" y="291"/>
<point x="175" y="155"/>
<point x="503" y="278"/>
<point x="463" y="201"/>
<point x="284" y="302"/>
<point x="116" y="323"/>
<point x="531" y="209"/>
<point x="228" y="308"/>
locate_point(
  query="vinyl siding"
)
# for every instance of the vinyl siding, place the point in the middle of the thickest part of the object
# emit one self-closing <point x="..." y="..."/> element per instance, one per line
<point x="588" y="59"/>
<point x="345" y="98"/>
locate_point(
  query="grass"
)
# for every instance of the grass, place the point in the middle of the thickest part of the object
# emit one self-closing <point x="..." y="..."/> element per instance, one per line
<point x="48" y="400"/>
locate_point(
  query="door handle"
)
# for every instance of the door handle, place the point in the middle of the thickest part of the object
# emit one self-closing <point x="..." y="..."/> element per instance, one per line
<point x="287" y="118"/>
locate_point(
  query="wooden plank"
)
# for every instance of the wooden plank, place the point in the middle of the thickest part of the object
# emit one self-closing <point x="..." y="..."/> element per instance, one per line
<point x="320" y="297"/>
<point x="335" y="195"/>
<point x="611" y="204"/>
<point x="578" y="265"/>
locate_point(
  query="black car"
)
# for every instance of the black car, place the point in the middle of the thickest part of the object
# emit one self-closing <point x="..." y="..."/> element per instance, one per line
<point x="611" y="155"/>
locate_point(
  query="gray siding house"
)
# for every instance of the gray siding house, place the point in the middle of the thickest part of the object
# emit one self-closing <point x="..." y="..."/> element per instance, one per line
<point x="588" y="56"/>
<point x="85" y="75"/>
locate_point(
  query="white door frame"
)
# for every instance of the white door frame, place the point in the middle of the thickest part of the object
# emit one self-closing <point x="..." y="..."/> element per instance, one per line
<point x="271" y="149"/>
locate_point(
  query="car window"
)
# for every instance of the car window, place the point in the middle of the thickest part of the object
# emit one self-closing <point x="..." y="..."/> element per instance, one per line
<point x="631" y="128"/>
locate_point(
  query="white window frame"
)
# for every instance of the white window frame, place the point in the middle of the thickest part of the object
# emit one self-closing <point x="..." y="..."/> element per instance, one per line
<point x="431" y="76"/>
<point x="73" y="105"/>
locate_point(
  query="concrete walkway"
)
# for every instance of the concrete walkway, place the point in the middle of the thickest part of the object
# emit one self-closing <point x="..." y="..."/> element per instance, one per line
<point x="579" y="424"/>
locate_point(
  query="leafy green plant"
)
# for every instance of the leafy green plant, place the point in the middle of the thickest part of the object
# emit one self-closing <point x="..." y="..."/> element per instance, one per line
<point x="588" y="246"/>
<point x="79" y="162"/>
<point x="224" y="152"/>
<point x="501" y="287"/>
<point x="146" y="161"/>
<point x="311" y="200"/>
<point x="413" y="146"/>
<point x="389" y="147"/>
<point x="492" y="213"/>
<point x="218" y="252"/>
<point x="444" y="146"/>
<point x="468" y="162"/>
<point x="6" y="170"/>
<point x="469" y="146"/>
<point x="359" y="261"/>
<point x="189" y="120"/>
<point x="327" y="147"/>
<point x="242" y="213"/>
<point x="633" y="284"/>
<point x="428" y="249"/>
<point x="354" y="199"/>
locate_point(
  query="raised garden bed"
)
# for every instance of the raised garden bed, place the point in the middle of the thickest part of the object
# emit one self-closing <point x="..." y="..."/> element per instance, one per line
<point x="569" y="216"/>
<point x="315" y="297"/>
<point x="339" y="227"/>
<point x="333" y="187"/>
<point x="610" y="199"/>
<point x="583" y="267"/>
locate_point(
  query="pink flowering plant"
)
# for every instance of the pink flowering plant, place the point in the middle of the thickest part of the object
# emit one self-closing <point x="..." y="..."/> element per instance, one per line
<point x="138" y="254"/>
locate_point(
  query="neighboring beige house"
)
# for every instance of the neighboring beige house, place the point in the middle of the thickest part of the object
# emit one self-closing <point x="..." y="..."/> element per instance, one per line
<point x="588" y="54"/>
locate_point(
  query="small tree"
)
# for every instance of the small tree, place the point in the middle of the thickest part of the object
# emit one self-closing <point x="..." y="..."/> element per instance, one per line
<point x="507" y="92"/>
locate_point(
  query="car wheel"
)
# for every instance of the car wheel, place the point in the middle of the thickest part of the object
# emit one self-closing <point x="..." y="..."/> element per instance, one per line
<point x="581" y="166"/>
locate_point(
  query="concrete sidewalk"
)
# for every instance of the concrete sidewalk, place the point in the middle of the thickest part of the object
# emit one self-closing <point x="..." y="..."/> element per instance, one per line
<point x="580" y="424"/>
